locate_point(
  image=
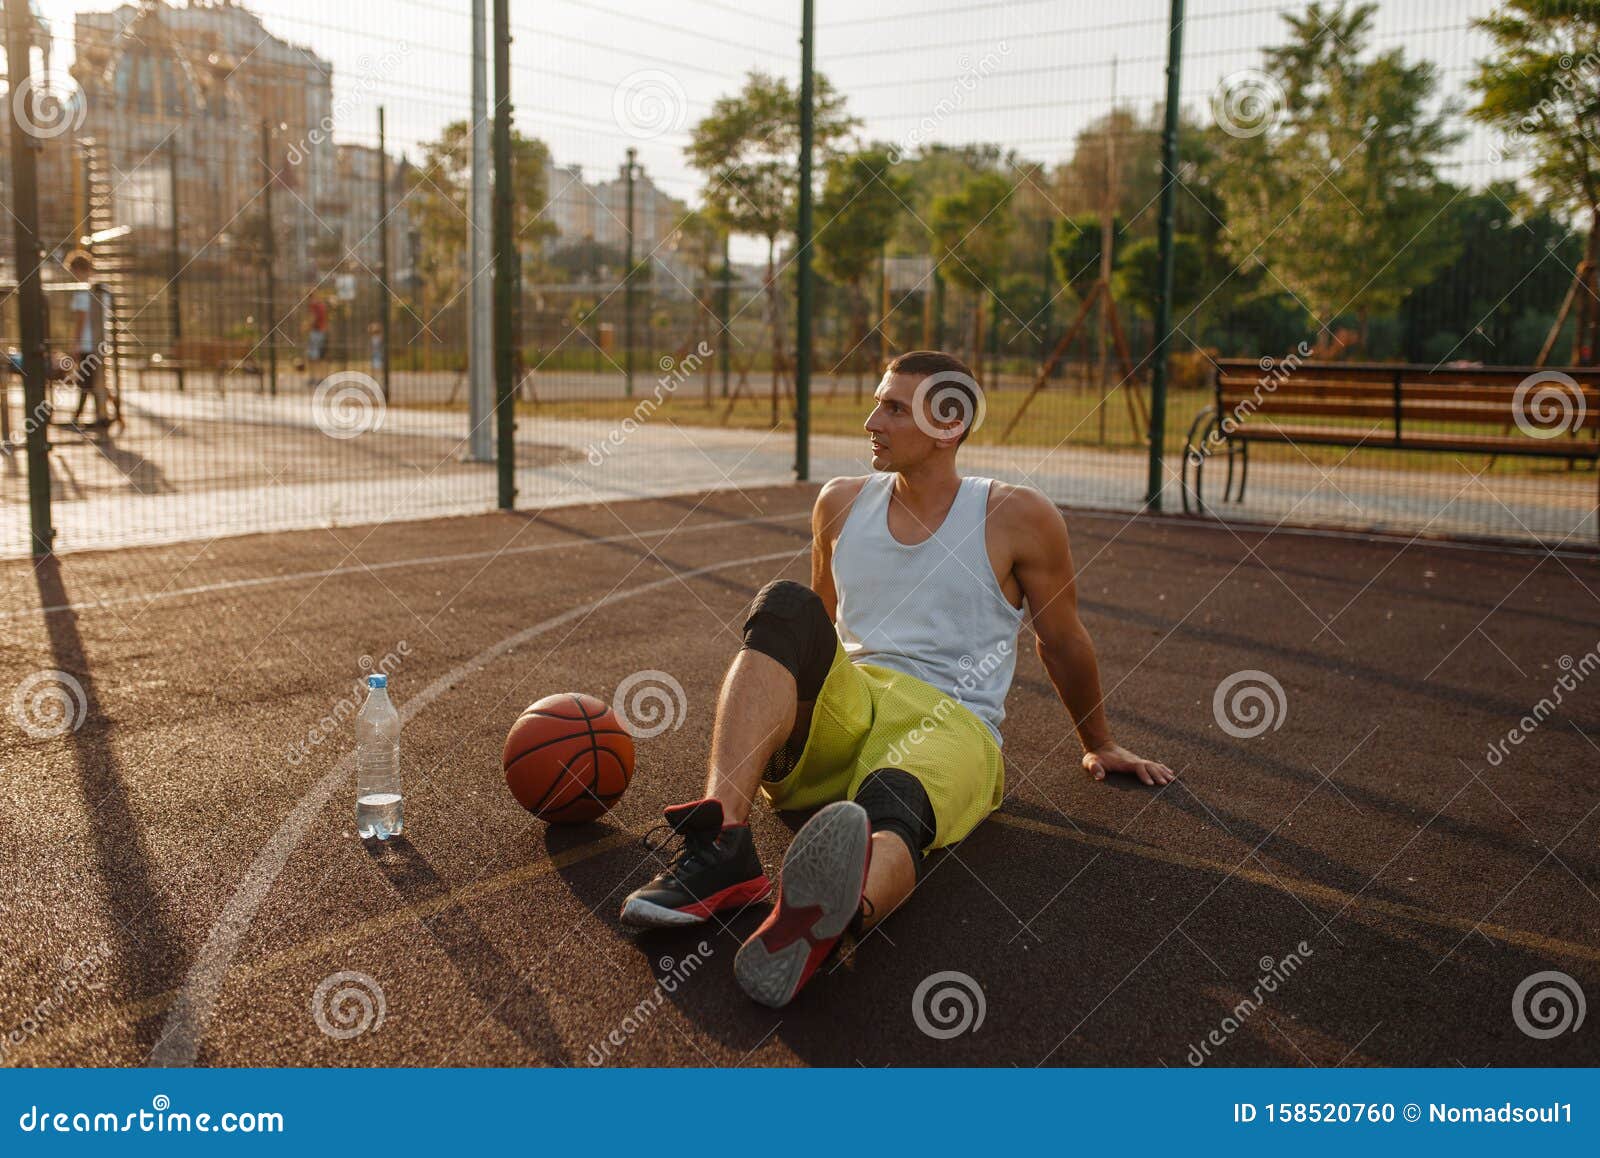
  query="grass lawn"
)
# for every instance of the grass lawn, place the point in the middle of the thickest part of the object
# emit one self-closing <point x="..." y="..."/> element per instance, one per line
<point x="1070" y="415"/>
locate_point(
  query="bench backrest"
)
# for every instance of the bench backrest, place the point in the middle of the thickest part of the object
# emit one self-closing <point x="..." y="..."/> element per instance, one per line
<point x="1401" y="394"/>
<point x="206" y="351"/>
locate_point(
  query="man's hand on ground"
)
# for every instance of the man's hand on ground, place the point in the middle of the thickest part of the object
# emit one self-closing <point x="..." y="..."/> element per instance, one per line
<point x="1116" y="758"/>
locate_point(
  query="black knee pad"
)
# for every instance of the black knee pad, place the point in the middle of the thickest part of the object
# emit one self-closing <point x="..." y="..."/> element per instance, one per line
<point x="788" y="622"/>
<point x="896" y="801"/>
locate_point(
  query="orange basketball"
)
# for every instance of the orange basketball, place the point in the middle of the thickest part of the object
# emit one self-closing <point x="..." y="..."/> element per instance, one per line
<point x="567" y="758"/>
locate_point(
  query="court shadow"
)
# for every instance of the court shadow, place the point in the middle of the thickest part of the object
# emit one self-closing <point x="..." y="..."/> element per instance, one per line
<point x="698" y="958"/>
<point x="1138" y="961"/>
<point x="143" y="475"/>
<point x="148" y="950"/>
<point x="492" y="979"/>
<point x="637" y="551"/>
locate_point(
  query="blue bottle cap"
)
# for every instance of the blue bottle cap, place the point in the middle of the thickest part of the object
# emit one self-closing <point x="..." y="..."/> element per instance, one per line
<point x="377" y="681"/>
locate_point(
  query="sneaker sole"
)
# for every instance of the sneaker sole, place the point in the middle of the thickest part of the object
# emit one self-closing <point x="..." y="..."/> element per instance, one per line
<point x="824" y="872"/>
<point x="643" y="914"/>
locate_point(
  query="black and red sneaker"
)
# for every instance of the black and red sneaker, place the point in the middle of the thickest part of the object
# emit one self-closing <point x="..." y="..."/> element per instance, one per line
<point x="717" y="868"/>
<point x="819" y="894"/>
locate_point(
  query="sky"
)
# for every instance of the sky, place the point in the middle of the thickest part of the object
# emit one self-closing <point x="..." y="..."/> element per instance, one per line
<point x="591" y="79"/>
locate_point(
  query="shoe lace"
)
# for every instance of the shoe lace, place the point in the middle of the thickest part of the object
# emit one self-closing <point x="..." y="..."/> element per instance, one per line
<point x="697" y="847"/>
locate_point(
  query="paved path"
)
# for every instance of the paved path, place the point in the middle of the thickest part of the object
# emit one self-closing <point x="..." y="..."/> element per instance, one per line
<point x="196" y="466"/>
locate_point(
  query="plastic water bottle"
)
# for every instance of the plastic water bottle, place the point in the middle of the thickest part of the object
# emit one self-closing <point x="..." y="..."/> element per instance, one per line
<point x="380" y="807"/>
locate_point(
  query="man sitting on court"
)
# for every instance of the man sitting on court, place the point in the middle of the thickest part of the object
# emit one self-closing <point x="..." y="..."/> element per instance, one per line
<point x="878" y="691"/>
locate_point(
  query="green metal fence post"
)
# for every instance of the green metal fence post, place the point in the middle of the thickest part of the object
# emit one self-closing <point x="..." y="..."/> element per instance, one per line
<point x="270" y="321"/>
<point x="627" y="280"/>
<point x="383" y="251"/>
<point x="174" y="261"/>
<point x="726" y="337"/>
<point x="802" y="359"/>
<point x="1169" y="199"/>
<point x="30" y="289"/>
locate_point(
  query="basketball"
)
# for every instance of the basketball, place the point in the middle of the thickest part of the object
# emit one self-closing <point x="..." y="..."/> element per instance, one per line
<point x="568" y="758"/>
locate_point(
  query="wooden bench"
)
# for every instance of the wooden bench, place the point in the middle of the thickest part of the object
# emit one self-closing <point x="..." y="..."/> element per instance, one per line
<point x="1444" y="409"/>
<point x="218" y="356"/>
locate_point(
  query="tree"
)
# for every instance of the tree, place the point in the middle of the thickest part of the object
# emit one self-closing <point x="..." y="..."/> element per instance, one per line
<point x="584" y="259"/>
<point x="437" y="194"/>
<point x="747" y="149"/>
<point x="1339" y="197"/>
<point x="862" y="195"/>
<point x="697" y="241"/>
<point x="1541" y="89"/>
<point x="1138" y="278"/>
<point x="1496" y="300"/>
<point x="1075" y="250"/>
<point x="969" y="238"/>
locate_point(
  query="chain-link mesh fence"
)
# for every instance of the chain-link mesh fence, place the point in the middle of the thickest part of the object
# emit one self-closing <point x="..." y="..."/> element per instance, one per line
<point x="287" y="298"/>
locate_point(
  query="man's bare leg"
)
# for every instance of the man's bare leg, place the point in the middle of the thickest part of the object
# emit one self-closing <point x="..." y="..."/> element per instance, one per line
<point x="891" y="875"/>
<point x="756" y="711"/>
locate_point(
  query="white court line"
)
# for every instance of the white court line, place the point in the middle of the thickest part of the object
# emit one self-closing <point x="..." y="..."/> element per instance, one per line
<point x="423" y="561"/>
<point x="191" y="1013"/>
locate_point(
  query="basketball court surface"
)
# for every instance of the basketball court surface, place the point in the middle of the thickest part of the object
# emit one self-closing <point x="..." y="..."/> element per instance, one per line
<point x="183" y="882"/>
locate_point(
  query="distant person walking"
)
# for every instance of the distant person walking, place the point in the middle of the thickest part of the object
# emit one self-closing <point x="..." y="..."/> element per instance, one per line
<point x="89" y="343"/>
<point x="317" y="338"/>
<point x="375" y="340"/>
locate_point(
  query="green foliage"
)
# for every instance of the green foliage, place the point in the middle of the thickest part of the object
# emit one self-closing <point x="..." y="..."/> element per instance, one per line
<point x="1541" y="90"/>
<point x="438" y="191"/>
<point x="1467" y="301"/>
<point x="1075" y="250"/>
<point x="747" y="149"/>
<point x="1339" y="198"/>
<point x="584" y="259"/>
<point x="969" y="231"/>
<point x="1138" y="279"/>
<point x="862" y="195"/>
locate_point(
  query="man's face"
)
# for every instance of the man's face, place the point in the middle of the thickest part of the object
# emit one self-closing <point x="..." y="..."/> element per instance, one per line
<point x="899" y="441"/>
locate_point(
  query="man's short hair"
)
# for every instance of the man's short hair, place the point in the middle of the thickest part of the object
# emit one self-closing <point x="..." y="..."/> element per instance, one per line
<point x="79" y="257"/>
<point x="922" y="363"/>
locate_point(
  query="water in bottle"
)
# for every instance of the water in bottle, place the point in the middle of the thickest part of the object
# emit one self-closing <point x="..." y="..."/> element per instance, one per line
<point x="379" y="804"/>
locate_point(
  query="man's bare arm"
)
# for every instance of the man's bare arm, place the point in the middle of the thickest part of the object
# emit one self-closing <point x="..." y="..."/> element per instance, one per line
<point x="1043" y="567"/>
<point x="827" y="519"/>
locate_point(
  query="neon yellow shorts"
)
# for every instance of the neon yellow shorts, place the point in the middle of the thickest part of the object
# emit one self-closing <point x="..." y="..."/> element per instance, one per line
<point x="869" y="717"/>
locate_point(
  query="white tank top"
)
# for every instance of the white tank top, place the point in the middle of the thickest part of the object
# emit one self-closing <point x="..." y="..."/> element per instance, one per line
<point x="934" y="611"/>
